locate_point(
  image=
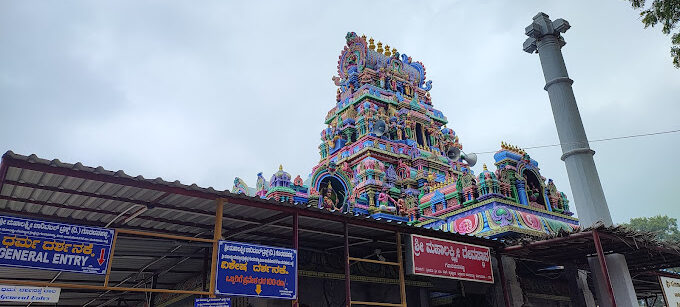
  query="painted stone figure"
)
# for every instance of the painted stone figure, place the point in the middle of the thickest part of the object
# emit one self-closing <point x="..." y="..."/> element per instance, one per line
<point x="330" y="198"/>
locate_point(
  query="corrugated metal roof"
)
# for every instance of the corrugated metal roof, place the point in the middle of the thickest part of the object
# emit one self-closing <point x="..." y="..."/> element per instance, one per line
<point x="97" y="195"/>
<point x="77" y="194"/>
<point x="643" y="250"/>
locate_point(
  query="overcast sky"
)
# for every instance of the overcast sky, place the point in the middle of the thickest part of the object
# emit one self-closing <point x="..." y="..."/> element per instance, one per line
<point x="206" y="91"/>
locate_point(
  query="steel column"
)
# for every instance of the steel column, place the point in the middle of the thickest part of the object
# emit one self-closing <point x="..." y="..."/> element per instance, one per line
<point x="296" y="221"/>
<point x="603" y="267"/>
<point x="348" y="293"/>
<point x="108" y="267"/>
<point x="206" y="268"/>
<point x="154" y="284"/>
<point x="217" y="235"/>
<point x="402" y="280"/>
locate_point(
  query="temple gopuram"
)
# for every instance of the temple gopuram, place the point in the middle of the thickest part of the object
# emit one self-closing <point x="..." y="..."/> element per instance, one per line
<point x="388" y="153"/>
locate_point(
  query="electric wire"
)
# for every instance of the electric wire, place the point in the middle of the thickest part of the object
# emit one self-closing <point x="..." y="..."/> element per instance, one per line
<point x="593" y="141"/>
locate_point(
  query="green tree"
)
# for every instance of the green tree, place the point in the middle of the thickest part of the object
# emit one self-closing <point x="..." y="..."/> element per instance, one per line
<point x="666" y="13"/>
<point x="666" y="228"/>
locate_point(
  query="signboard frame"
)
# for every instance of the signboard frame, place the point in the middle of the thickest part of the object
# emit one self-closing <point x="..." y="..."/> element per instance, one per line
<point x="201" y="302"/>
<point x="218" y="261"/>
<point x="410" y="260"/>
<point x="663" y="289"/>
<point x="60" y="234"/>
<point x="55" y="296"/>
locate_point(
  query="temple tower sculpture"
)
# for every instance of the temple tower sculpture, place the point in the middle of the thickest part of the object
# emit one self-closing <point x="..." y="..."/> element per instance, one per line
<point x="385" y="153"/>
<point x="545" y="38"/>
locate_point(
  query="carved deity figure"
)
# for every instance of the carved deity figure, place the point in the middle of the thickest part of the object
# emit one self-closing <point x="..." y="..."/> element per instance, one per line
<point x="533" y="192"/>
<point x="391" y="111"/>
<point x="554" y="196"/>
<point x="330" y="198"/>
<point x="401" y="206"/>
<point x="351" y="113"/>
<point x="382" y="115"/>
<point x="381" y="73"/>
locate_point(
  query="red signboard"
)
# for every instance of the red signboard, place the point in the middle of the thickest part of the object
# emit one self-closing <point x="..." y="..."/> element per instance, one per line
<point x="448" y="259"/>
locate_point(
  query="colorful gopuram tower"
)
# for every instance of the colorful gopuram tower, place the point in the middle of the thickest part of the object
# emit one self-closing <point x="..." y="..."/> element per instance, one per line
<point x="383" y="154"/>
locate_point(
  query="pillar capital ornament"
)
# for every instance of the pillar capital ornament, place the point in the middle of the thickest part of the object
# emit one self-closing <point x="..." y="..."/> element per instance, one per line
<point x="543" y="28"/>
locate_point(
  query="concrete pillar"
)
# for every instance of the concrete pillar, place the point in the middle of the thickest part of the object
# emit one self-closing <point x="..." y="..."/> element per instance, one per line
<point x="578" y="287"/>
<point x="583" y="286"/>
<point x="424" y="297"/>
<point x="616" y="264"/>
<point x="545" y="38"/>
<point x="512" y="281"/>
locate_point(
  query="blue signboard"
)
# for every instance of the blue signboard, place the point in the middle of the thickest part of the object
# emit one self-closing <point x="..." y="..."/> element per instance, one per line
<point x="213" y="302"/>
<point x="53" y="246"/>
<point x="256" y="270"/>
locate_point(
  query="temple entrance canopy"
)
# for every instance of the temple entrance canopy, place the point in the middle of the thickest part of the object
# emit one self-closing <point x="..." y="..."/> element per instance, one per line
<point x="166" y="231"/>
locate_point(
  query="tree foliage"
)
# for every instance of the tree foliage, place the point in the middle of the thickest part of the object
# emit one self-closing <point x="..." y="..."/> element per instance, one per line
<point x="667" y="14"/>
<point x="666" y="228"/>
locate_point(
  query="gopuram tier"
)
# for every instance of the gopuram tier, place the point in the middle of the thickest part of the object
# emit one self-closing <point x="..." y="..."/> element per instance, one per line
<point x="387" y="153"/>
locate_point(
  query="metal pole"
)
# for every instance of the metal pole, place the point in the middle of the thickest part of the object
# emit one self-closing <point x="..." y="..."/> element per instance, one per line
<point x="402" y="281"/>
<point x="348" y="293"/>
<point x="108" y="266"/>
<point x="163" y="235"/>
<point x="603" y="267"/>
<point x="296" y="221"/>
<point x="217" y="235"/>
<point x="205" y="270"/>
<point x="504" y="286"/>
<point x="152" y="296"/>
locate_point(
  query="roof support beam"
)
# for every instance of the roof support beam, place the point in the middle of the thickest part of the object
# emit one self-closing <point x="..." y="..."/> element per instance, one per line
<point x="79" y="281"/>
<point x="86" y="222"/>
<point x="110" y="178"/>
<point x="528" y="246"/>
<point x="638" y="243"/>
<point x="349" y="218"/>
<point x="95" y="287"/>
<point x="100" y="211"/>
<point x="267" y="221"/>
<point x="148" y="204"/>
<point x="149" y="264"/>
<point x="310" y="229"/>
